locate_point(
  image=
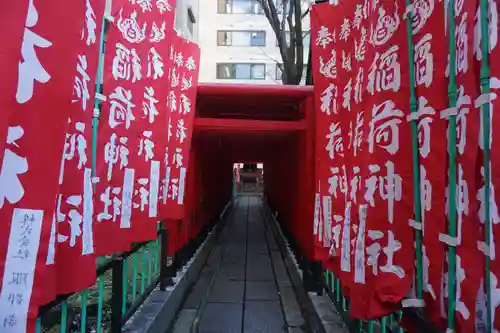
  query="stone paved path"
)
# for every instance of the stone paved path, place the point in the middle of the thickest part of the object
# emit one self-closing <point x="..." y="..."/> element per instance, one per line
<point x="244" y="286"/>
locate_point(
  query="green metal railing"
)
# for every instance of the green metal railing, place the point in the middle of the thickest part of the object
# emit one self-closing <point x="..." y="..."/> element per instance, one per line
<point x="386" y="324"/>
<point x="124" y="282"/>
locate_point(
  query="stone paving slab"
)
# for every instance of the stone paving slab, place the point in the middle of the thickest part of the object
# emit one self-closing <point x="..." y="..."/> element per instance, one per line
<point x="222" y="318"/>
<point x="234" y="272"/>
<point x="263" y="317"/>
<point x="261" y="291"/>
<point x="227" y="291"/>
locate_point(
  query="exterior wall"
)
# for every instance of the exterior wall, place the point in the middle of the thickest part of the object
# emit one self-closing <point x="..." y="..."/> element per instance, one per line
<point x="182" y="18"/>
<point x="211" y="54"/>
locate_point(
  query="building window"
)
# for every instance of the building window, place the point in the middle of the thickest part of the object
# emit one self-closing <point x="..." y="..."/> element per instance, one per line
<point x="241" y="38"/>
<point x="241" y="71"/>
<point x="239" y="7"/>
<point x="191" y="20"/>
<point x="306" y="38"/>
<point x="279" y="72"/>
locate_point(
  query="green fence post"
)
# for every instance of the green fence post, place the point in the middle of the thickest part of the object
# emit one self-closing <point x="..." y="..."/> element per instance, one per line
<point x="417" y="207"/>
<point x="485" y="89"/>
<point x="452" y="174"/>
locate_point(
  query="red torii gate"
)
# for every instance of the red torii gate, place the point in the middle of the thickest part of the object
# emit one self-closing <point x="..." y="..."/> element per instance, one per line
<point x="273" y="124"/>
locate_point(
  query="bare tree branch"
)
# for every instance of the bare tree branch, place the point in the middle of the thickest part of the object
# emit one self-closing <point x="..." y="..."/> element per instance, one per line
<point x="288" y="19"/>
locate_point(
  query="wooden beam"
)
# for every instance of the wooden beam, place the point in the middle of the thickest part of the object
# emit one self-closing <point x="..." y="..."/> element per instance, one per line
<point x="240" y="125"/>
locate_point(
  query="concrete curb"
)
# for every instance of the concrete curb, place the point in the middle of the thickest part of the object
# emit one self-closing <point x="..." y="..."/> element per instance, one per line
<point x="160" y="309"/>
<point x="319" y="312"/>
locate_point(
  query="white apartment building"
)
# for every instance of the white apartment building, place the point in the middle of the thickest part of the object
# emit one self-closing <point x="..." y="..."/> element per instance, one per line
<point x="238" y="44"/>
<point x="186" y="17"/>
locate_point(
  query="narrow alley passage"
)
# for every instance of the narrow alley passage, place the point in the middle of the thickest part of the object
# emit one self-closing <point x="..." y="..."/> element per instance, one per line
<point x="244" y="286"/>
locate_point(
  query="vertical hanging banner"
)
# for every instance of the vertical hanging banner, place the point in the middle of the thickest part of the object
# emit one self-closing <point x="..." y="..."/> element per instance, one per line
<point x="10" y="54"/>
<point x="354" y="56"/>
<point x="151" y="127"/>
<point x="428" y="34"/>
<point x="129" y="159"/>
<point x="386" y="168"/>
<point x="72" y="239"/>
<point x="185" y="57"/>
<point x="481" y="320"/>
<point x="469" y="261"/>
<point x="330" y="170"/>
<point x="40" y="95"/>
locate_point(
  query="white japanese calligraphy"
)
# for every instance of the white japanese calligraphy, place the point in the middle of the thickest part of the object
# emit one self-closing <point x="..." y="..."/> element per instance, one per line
<point x="329" y="100"/>
<point x="424" y="61"/>
<point x="130" y="29"/>
<point x="163" y="6"/>
<point x="492" y="29"/>
<point x="384" y="127"/>
<point x="385" y="27"/>
<point x="360" y="48"/>
<point x="385" y="71"/>
<point x="90" y="24"/>
<point x="345" y="30"/>
<point x="346" y="61"/>
<point x="30" y="68"/>
<point x="155" y="64"/>
<point x="335" y="144"/>
<point x="121" y="108"/>
<point x="13" y="166"/>
<point x="80" y="87"/>
<point x="324" y="37"/>
<point x="180" y="133"/>
<point x="422" y="11"/>
<point x="146" y="146"/>
<point x="157" y="33"/>
<point x="149" y="104"/>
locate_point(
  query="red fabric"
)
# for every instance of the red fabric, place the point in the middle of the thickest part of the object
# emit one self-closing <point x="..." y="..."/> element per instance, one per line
<point x="469" y="261"/>
<point x="38" y="118"/>
<point x="181" y="103"/>
<point x="133" y="116"/>
<point x="72" y="236"/>
<point x="432" y="94"/>
<point x="10" y="55"/>
<point x="329" y="149"/>
<point x="481" y="320"/>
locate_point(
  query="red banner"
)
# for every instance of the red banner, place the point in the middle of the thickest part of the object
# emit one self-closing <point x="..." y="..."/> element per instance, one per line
<point x="494" y="199"/>
<point x="129" y="160"/>
<point x="428" y="18"/>
<point x="330" y="170"/>
<point x="469" y="267"/>
<point x="185" y="57"/>
<point x="9" y="55"/>
<point x="374" y="170"/>
<point x="73" y="232"/>
<point x="33" y="149"/>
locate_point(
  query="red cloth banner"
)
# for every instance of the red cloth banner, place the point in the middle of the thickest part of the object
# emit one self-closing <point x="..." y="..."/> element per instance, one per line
<point x="9" y="55"/>
<point x="366" y="109"/>
<point x="428" y="19"/>
<point x="469" y="260"/>
<point x="33" y="149"/>
<point x="385" y="269"/>
<point x="329" y="151"/>
<point x="72" y="239"/>
<point x="129" y="164"/>
<point x="185" y="57"/>
<point x="494" y="221"/>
